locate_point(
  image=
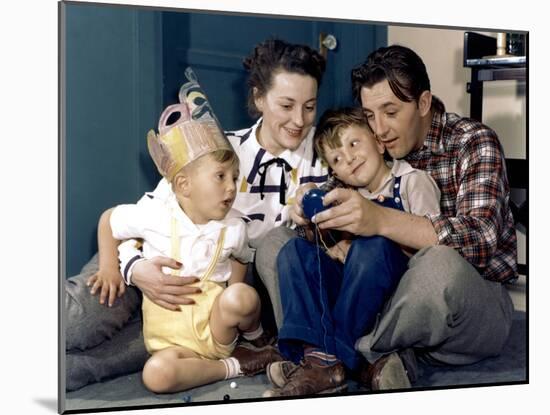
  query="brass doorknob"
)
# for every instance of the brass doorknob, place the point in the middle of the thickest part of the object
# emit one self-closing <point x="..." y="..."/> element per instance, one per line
<point x="327" y="42"/>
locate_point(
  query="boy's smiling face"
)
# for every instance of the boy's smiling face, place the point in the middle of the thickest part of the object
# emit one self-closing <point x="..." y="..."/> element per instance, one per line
<point x="359" y="160"/>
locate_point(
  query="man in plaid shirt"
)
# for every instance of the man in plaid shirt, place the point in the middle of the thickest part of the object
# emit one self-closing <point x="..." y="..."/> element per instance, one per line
<point x="450" y="306"/>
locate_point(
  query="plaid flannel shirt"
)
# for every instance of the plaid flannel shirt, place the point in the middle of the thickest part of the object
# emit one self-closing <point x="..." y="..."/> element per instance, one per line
<point x="467" y="162"/>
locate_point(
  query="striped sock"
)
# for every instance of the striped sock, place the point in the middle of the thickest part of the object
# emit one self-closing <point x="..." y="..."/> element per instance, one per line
<point x="319" y="357"/>
<point x="254" y="334"/>
<point x="232" y="367"/>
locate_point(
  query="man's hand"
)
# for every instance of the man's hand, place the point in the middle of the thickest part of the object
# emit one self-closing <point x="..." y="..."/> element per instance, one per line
<point x="165" y="290"/>
<point x="110" y="282"/>
<point x="296" y="212"/>
<point x="353" y="213"/>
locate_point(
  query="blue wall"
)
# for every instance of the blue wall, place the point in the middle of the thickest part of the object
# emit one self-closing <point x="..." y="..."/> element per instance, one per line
<point x="113" y="97"/>
<point x="124" y="64"/>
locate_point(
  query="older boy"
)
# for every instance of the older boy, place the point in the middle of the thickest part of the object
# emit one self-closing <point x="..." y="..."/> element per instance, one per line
<point x="330" y="300"/>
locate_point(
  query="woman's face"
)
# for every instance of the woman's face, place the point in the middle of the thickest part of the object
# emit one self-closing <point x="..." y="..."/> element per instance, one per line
<point x="288" y="110"/>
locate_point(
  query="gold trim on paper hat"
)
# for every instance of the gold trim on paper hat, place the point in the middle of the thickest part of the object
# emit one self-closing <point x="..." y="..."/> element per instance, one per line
<point x="197" y="131"/>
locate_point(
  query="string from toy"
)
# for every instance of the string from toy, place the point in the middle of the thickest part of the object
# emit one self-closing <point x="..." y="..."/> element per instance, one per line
<point x="318" y="232"/>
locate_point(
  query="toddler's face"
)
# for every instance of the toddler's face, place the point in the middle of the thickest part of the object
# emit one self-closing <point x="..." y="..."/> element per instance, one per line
<point x="358" y="161"/>
<point x="212" y="189"/>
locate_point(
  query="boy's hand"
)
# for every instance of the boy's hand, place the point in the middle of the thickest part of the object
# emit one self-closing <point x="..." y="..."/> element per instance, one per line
<point x="110" y="283"/>
<point x="339" y="251"/>
<point x="296" y="212"/>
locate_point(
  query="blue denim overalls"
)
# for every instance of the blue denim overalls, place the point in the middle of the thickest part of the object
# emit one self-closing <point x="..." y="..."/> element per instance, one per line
<point x="329" y="304"/>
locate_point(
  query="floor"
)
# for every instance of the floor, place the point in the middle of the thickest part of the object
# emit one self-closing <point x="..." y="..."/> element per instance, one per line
<point x="129" y="392"/>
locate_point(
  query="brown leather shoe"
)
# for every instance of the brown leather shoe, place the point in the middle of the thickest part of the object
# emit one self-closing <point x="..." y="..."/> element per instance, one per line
<point x="253" y="360"/>
<point x="309" y="379"/>
<point x="279" y="373"/>
<point x="386" y="373"/>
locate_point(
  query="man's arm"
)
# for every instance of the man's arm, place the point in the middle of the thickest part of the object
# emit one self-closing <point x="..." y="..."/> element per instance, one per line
<point x="362" y="217"/>
<point x="481" y="212"/>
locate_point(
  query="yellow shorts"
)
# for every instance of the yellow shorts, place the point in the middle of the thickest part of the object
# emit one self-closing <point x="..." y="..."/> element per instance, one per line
<point x="187" y="328"/>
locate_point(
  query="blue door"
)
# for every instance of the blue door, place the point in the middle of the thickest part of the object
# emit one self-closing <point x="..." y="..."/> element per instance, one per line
<point x="215" y="46"/>
<point x="121" y="65"/>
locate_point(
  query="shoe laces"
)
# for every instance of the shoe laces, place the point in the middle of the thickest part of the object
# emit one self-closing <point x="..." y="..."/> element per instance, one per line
<point x="296" y="367"/>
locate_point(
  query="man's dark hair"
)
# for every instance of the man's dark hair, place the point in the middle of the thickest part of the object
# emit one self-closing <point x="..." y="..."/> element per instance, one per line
<point x="401" y="66"/>
<point x="273" y="56"/>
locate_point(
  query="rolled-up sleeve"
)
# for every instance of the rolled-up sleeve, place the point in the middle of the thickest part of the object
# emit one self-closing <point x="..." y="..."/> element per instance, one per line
<point x="480" y="201"/>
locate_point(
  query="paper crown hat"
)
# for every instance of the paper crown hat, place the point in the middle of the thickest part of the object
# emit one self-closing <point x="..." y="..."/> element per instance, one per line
<point x="197" y="131"/>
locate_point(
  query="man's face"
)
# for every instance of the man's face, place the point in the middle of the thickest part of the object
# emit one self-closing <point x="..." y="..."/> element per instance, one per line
<point x="397" y="124"/>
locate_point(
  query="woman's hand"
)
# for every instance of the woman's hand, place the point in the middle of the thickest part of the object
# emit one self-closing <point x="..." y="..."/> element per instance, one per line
<point x="168" y="291"/>
<point x="296" y="212"/>
<point x="109" y="282"/>
<point x="352" y="213"/>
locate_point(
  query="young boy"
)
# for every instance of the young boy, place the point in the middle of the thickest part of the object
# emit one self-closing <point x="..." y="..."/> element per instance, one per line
<point x="193" y="224"/>
<point x="331" y="299"/>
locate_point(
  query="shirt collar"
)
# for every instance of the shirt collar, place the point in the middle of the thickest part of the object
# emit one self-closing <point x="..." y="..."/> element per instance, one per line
<point x="186" y="222"/>
<point x="399" y="168"/>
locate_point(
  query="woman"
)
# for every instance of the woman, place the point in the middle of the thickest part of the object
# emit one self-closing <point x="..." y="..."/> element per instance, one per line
<point x="276" y="158"/>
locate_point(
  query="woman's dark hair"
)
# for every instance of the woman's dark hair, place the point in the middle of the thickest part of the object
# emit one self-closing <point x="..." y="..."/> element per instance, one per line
<point x="274" y="55"/>
<point x="401" y="66"/>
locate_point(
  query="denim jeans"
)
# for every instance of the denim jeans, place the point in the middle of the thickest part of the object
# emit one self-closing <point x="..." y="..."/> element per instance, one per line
<point x="329" y="304"/>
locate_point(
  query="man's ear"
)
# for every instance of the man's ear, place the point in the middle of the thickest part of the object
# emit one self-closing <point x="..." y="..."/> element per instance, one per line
<point x="425" y="103"/>
<point x="182" y="183"/>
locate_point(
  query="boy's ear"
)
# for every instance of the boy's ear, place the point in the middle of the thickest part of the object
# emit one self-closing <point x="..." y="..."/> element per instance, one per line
<point x="425" y="103"/>
<point x="182" y="184"/>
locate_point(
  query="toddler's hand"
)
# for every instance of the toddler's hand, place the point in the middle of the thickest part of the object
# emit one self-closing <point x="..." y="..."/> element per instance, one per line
<point x="110" y="283"/>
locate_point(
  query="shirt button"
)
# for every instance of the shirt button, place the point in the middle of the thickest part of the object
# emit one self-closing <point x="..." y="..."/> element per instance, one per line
<point x="397" y="200"/>
<point x="381" y="198"/>
<point x="396" y="185"/>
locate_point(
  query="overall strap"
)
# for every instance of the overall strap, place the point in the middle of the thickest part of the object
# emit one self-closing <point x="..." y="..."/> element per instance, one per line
<point x="397" y="193"/>
<point x="175" y="251"/>
<point x="216" y="256"/>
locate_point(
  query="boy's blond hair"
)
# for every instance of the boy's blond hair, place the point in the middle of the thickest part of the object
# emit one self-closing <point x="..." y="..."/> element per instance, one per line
<point x="219" y="156"/>
<point x="332" y="123"/>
